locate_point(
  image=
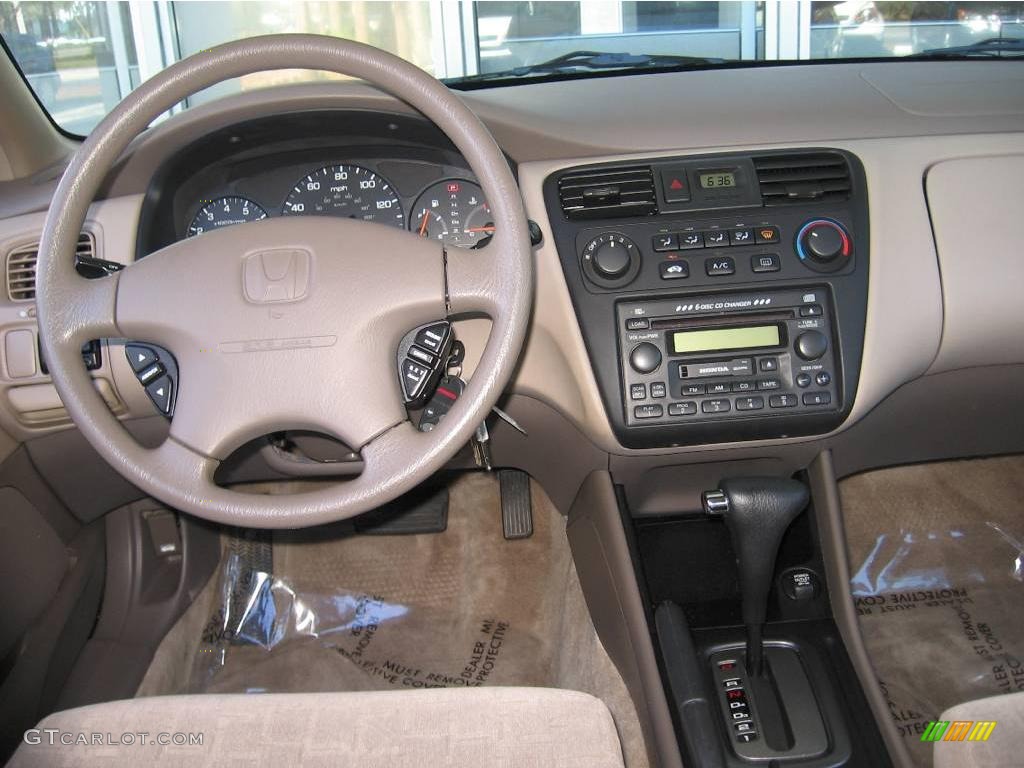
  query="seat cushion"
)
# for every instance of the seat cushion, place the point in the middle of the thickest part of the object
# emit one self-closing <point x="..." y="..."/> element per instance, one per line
<point x="435" y="727"/>
<point x="1005" y="744"/>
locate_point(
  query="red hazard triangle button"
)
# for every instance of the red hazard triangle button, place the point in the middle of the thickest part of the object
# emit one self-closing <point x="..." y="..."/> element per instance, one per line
<point x="674" y="185"/>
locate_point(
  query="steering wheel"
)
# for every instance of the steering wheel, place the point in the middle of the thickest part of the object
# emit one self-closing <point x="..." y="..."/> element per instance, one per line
<point x="323" y="354"/>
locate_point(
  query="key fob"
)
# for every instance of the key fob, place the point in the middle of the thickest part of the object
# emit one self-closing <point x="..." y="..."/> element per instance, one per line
<point x="449" y="389"/>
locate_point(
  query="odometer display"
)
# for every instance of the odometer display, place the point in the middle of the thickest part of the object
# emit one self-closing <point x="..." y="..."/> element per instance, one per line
<point x="224" y="212"/>
<point x="349" y="191"/>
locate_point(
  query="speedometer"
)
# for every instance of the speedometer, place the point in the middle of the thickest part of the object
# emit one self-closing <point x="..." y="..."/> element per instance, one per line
<point x="349" y="191"/>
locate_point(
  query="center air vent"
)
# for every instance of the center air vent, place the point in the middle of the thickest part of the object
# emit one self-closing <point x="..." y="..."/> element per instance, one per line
<point x="606" y="193"/>
<point x="21" y="266"/>
<point x="804" y="177"/>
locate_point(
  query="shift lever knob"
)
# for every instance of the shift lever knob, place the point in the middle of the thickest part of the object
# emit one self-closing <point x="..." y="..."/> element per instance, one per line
<point x="757" y="510"/>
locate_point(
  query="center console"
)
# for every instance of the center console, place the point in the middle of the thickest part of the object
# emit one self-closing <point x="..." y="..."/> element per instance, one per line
<point x="721" y="297"/>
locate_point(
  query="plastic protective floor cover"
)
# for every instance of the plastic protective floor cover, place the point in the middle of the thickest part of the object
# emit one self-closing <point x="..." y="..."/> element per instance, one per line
<point x="937" y="575"/>
<point x="342" y="612"/>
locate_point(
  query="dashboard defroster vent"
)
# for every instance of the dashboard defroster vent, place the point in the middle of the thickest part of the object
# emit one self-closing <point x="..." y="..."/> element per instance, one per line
<point x="804" y="177"/>
<point x="21" y="266"/>
<point x="605" y="193"/>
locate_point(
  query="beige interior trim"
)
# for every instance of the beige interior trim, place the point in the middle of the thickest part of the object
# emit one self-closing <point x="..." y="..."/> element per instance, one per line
<point x="28" y="141"/>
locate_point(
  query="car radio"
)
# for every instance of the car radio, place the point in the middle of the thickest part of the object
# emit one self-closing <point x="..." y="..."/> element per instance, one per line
<point x="727" y="355"/>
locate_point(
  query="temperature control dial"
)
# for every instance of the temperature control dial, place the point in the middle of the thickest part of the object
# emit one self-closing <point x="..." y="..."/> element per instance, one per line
<point x="823" y="245"/>
<point x="611" y="260"/>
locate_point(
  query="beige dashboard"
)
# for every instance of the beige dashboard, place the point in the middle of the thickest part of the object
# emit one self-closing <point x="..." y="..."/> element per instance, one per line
<point x="943" y="189"/>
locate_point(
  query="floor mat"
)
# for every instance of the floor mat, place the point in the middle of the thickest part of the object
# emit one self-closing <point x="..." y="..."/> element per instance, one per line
<point x="343" y="612"/>
<point x="938" y="579"/>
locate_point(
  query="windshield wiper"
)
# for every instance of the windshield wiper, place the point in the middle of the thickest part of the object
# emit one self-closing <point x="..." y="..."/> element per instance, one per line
<point x="594" y="61"/>
<point x="994" y="47"/>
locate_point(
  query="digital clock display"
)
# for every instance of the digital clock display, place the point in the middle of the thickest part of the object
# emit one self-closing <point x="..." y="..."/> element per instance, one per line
<point x="717" y="180"/>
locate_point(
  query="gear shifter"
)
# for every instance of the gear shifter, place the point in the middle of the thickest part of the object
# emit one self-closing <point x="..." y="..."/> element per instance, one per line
<point x="757" y="510"/>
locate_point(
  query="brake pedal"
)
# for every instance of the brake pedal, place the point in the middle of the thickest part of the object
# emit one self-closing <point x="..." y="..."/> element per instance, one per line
<point x="516" y="507"/>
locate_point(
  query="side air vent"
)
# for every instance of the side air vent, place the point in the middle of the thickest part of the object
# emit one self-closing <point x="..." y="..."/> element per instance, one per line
<point x="21" y="266"/>
<point x="606" y="193"/>
<point x="803" y="177"/>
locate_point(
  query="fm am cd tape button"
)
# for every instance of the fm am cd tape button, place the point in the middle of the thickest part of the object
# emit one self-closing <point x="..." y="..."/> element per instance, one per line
<point x="674" y="270"/>
<point x="637" y="324"/>
<point x="743" y="386"/>
<point x="718" y="405"/>
<point x="722" y="266"/>
<point x="765" y="262"/>
<point x="718" y="389"/>
<point x="811" y="310"/>
<point x="653" y="411"/>
<point x="692" y="389"/>
<point x="658" y="389"/>
<point x="803" y="380"/>
<point x="749" y="403"/>
<point x="663" y="243"/>
<point x="645" y="358"/>
<point x="817" y="398"/>
<point x="686" y="408"/>
<point x="716" y="238"/>
<point x="768" y="364"/>
<point x="771" y="383"/>
<point x="637" y="391"/>
<point x="690" y="240"/>
<point x="823" y="379"/>
<point x="741" y="236"/>
<point x="785" y="400"/>
<point x="766" y="235"/>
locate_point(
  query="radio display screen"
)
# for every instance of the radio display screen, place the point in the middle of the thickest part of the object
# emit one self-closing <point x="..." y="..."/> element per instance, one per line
<point x="717" y="339"/>
<point x="717" y="180"/>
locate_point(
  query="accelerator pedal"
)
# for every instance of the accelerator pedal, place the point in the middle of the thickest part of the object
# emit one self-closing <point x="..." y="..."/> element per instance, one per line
<point x="516" y="507"/>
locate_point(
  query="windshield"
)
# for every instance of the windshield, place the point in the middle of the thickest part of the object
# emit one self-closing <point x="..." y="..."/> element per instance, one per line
<point x="81" y="58"/>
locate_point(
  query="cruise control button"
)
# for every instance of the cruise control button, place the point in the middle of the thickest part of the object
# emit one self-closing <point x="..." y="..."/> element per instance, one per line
<point x="786" y="400"/>
<point x="749" y="403"/>
<point x="154" y="372"/>
<point x="722" y="266"/>
<point x="674" y="270"/>
<point x="716" y="238"/>
<point x="160" y="392"/>
<point x="652" y="411"/>
<point x="817" y="398"/>
<point x="637" y="391"/>
<point x="414" y="376"/>
<point x="422" y="356"/>
<point x="663" y="243"/>
<point x="658" y="389"/>
<point x="718" y="405"/>
<point x="741" y="236"/>
<point x="433" y="337"/>
<point x="690" y="240"/>
<point x="765" y="262"/>
<point x="767" y="234"/>
<point x="140" y="357"/>
<point x="686" y="408"/>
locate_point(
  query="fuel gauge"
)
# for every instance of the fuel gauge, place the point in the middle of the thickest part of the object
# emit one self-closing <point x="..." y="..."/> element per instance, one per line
<point x="453" y="211"/>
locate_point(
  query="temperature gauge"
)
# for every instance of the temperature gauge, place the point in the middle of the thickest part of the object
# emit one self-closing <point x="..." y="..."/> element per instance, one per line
<point x="453" y="211"/>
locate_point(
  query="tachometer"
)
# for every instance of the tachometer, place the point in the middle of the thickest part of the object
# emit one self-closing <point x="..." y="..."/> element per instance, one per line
<point x="454" y="212"/>
<point x="225" y="212"/>
<point x="349" y="191"/>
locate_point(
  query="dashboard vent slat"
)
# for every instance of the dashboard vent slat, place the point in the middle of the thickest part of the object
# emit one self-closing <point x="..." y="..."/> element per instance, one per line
<point x="21" y="266"/>
<point x="804" y="177"/>
<point x="605" y="193"/>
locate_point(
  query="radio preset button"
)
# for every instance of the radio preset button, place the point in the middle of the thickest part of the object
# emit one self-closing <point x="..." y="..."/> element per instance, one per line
<point x="637" y="391"/>
<point x="803" y="380"/>
<point x="749" y="403"/>
<point x="718" y="405"/>
<point x="673" y="270"/>
<point x="652" y="411"/>
<point x="720" y="266"/>
<point x="811" y="345"/>
<point x="663" y="243"/>
<point x="765" y="262"/>
<point x="658" y="389"/>
<point x="817" y="398"/>
<point x="686" y="408"/>
<point x="645" y="358"/>
<point x="785" y="400"/>
<point x="690" y="240"/>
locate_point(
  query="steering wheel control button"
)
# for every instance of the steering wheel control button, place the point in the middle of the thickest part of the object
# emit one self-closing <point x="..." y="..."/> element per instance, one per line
<point x="433" y="337"/>
<point x="720" y="266"/>
<point x="422" y="356"/>
<point x="414" y="379"/>
<point x="675" y="185"/>
<point x="651" y="411"/>
<point x="765" y="262"/>
<point x="154" y="372"/>
<point x="663" y="243"/>
<point x="674" y="270"/>
<point x="139" y="357"/>
<point x="766" y="235"/>
<point x="161" y="392"/>
<point x="811" y="345"/>
<point x="645" y="358"/>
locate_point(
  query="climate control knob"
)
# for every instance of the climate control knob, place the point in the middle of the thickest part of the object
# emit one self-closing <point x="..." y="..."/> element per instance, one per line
<point x="611" y="259"/>
<point x="823" y="245"/>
